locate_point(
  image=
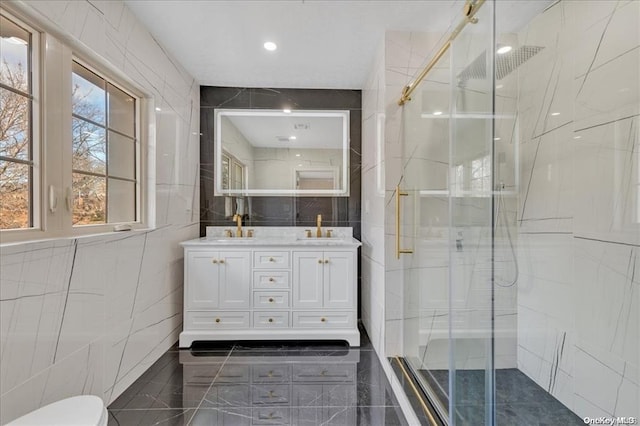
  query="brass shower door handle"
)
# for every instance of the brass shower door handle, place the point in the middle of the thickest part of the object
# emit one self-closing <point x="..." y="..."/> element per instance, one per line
<point x="399" y="250"/>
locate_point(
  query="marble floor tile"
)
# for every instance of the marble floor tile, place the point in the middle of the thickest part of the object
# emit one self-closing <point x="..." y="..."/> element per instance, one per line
<point x="270" y="383"/>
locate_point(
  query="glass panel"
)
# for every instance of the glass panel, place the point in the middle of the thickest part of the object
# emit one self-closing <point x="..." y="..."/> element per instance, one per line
<point x="88" y="94"/>
<point x="122" y="111"/>
<point x="14" y="55"/>
<point x="122" y="201"/>
<point x="89" y="147"/>
<point x="14" y="125"/>
<point x="89" y="199"/>
<point x="425" y="229"/>
<point x="15" y="199"/>
<point x="471" y="375"/>
<point x="122" y="154"/>
<point x="226" y="171"/>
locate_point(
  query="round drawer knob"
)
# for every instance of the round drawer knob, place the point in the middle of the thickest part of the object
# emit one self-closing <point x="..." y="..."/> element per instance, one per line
<point x="271" y="259"/>
<point x="323" y="319"/>
<point x="214" y="261"/>
<point x="326" y="261"/>
<point x="270" y="320"/>
<point x="271" y="280"/>
<point x="217" y="319"/>
<point x="222" y="261"/>
<point x="271" y="299"/>
<point x="323" y="373"/>
<point x="270" y="373"/>
<point x="319" y="260"/>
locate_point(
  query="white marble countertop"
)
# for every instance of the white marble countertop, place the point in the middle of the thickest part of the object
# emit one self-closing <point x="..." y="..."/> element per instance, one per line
<point x="272" y="241"/>
<point x="275" y="236"/>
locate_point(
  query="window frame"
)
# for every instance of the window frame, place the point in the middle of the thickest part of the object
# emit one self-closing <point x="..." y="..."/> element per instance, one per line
<point x="52" y="140"/>
<point x="36" y="194"/>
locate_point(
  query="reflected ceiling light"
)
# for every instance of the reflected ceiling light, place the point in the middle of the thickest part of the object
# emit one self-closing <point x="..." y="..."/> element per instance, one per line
<point x="299" y="165"/>
<point x="577" y="137"/>
<point x="286" y="111"/>
<point x="158" y="109"/>
<point x="270" y="46"/>
<point x="496" y="139"/>
<point x="555" y="113"/>
<point x="504" y="49"/>
<point x="499" y="86"/>
<point x="437" y="112"/>
<point x="292" y="138"/>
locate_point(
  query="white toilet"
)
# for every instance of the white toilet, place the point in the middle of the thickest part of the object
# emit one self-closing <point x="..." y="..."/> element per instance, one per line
<point x="84" y="410"/>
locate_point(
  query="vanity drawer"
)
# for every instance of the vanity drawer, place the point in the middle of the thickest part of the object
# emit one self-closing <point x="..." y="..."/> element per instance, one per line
<point x="196" y="320"/>
<point x="270" y="394"/>
<point x="270" y="299"/>
<point x="271" y="319"/>
<point x="324" y="372"/>
<point x="271" y="279"/>
<point x="268" y="373"/>
<point x="323" y="320"/>
<point x="271" y="259"/>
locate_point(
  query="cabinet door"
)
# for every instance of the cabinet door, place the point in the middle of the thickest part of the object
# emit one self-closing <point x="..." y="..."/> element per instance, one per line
<point x="338" y="280"/>
<point x="235" y="279"/>
<point x="307" y="279"/>
<point x="202" y="284"/>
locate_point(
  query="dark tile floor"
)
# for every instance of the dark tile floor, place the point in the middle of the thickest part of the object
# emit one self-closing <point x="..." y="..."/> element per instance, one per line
<point x="263" y="383"/>
<point x="519" y="400"/>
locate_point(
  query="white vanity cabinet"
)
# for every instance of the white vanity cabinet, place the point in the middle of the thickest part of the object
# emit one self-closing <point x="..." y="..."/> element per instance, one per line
<point x="217" y="279"/>
<point x="270" y="290"/>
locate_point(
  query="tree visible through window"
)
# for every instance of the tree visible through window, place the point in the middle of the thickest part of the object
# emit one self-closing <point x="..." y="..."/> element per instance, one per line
<point x="16" y="145"/>
<point x="104" y="151"/>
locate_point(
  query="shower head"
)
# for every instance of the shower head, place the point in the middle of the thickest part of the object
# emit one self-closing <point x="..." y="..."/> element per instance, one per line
<point x="505" y="64"/>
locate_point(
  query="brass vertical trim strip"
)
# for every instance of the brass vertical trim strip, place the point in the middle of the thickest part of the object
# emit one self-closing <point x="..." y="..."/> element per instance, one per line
<point x="418" y="394"/>
<point x="399" y="251"/>
<point x="470" y="9"/>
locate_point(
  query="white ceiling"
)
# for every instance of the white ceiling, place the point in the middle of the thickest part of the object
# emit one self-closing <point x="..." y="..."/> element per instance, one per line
<point x="321" y="43"/>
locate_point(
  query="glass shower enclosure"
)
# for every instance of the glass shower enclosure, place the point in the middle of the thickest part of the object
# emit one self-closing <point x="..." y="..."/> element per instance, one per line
<point x="522" y="210"/>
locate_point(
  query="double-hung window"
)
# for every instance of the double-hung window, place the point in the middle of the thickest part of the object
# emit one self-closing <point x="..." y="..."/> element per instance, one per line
<point x="70" y="151"/>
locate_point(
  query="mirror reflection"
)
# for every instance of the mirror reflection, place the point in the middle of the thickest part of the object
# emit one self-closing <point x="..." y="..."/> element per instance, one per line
<point x="276" y="152"/>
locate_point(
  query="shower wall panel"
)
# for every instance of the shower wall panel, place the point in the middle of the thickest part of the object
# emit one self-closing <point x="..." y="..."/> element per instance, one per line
<point x="579" y="239"/>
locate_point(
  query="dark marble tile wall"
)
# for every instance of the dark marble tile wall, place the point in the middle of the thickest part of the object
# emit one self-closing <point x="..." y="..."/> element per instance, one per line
<point x="281" y="211"/>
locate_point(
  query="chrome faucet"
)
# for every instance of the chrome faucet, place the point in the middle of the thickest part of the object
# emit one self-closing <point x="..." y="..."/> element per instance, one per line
<point x="319" y="226"/>
<point x="238" y="219"/>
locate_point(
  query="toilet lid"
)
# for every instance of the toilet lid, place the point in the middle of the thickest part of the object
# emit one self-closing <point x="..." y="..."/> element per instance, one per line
<point x="85" y="410"/>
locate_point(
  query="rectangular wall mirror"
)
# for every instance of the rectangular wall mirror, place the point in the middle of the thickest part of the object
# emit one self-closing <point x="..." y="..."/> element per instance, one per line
<point x="276" y="152"/>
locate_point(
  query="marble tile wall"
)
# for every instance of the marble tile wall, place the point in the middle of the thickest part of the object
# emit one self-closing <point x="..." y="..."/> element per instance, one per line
<point x="89" y="315"/>
<point x="579" y="232"/>
<point x="281" y="211"/>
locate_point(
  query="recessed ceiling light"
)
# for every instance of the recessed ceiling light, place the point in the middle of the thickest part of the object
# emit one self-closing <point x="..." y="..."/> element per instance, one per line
<point x="270" y="46"/>
<point x="504" y="49"/>
<point x="555" y="113"/>
<point x="577" y="137"/>
<point x="496" y="139"/>
<point x="499" y="86"/>
<point x="299" y="165"/>
<point x="297" y="155"/>
<point x="286" y="111"/>
<point x="437" y="112"/>
<point x="158" y="109"/>
<point x="292" y="138"/>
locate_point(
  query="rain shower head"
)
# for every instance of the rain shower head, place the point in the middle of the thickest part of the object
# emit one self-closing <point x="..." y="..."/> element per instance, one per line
<point x="505" y="64"/>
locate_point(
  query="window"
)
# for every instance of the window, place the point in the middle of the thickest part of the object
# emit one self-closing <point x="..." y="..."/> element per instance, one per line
<point x="233" y="172"/>
<point x="84" y="120"/>
<point x="18" y="152"/>
<point x="104" y="150"/>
